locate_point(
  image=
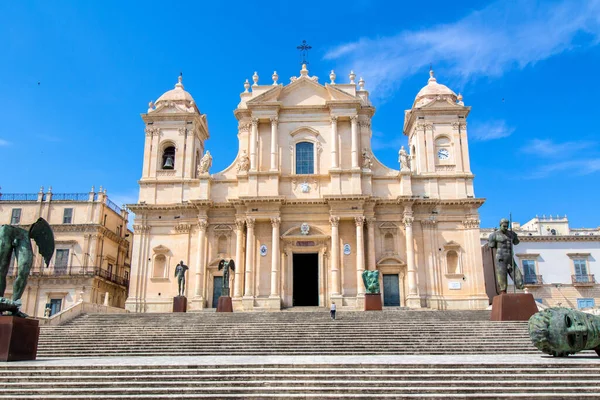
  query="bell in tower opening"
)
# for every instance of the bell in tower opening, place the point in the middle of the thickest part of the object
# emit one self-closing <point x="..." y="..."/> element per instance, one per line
<point x="169" y="158"/>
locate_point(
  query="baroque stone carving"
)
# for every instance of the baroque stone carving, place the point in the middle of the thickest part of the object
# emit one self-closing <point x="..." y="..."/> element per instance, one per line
<point x="359" y="221"/>
<point x="335" y="221"/>
<point x="152" y="131"/>
<point x="243" y="164"/>
<point x="205" y="163"/>
<point x="367" y="163"/>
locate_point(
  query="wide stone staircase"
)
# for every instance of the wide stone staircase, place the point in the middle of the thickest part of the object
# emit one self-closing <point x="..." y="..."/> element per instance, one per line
<point x="293" y="333"/>
<point x="390" y="354"/>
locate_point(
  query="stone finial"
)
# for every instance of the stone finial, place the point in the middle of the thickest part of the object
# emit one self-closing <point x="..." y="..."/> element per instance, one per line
<point x="352" y="76"/>
<point x="150" y="106"/>
<point x="49" y="189"/>
<point x="361" y="83"/>
<point x="246" y="86"/>
<point x="431" y="76"/>
<point x="100" y="191"/>
<point x="92" y="189"/>
<point x="255" y="79"/>
<point x="275" y="77"/>
<point x="304" y="70"/>
<point x="41" y="189"/>
<point x="332" y="77"/>
<point x="459" y="99"/>
<point x="179" y="81"/>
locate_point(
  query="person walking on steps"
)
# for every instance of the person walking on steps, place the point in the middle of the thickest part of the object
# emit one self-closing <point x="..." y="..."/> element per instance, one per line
<point x="332" y="311"/>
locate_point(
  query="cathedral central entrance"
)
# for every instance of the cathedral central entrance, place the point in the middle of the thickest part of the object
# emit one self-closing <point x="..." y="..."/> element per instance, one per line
<point x="306" y="280"/>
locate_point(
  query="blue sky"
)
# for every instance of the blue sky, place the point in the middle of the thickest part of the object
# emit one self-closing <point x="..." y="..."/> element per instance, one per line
<point x="75" y="76"/>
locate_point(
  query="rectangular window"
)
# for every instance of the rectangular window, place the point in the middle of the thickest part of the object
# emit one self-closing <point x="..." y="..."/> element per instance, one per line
<point x="62" y="260"/>
<point x="55" y="306"/>
<point x="585" y="303"/>
<point x="15" y="217"/>
<point x="68" y="216"/>
<point x="305" y="163"/>
<point x="110" y="270"/>
<point x="539" y="301"/>
<point x="529" y="271"/>
<point x="580" y="266"/>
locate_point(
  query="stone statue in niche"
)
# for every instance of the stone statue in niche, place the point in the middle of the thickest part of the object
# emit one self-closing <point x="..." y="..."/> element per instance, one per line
<point x="404" y="160"/>
<point x="205" y="163"/>
<point x="367" y="162"/>
<point x="244" y="162"/>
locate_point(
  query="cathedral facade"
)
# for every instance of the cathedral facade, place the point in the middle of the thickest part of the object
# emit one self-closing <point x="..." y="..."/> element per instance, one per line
<point x="306" y="207"/>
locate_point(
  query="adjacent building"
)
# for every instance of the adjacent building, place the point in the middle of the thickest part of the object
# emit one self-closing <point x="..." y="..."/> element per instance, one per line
<point x="560" y="264"/>
<point x="93" y="249"/>
<point x="306" y="207"/>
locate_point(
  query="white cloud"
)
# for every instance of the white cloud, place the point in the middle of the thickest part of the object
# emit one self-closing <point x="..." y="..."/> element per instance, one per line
<point x="574" y="167"/>
<point x="4" y="142"/>
<point x="490" y="130"/>
<point x="503" y="36"/>
<point x="549" y="148"/>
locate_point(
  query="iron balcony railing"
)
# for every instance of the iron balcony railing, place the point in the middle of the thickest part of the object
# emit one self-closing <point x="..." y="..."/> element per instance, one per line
<point x="18" y="197"/>
<point x="532" y="280"/>
<point x="113" y="206"/>
<point x="77" y="271"/>
<point x="70" y="196"/>
<point x="583" y="279"/>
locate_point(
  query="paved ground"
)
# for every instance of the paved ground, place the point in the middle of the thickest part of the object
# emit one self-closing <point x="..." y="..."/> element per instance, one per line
<point x="584" y="357"/>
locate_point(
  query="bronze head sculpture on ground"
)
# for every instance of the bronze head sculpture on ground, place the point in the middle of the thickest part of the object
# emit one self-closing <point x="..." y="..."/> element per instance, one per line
<point x="226" y="266"/>
<point x="17" y="241"/>
<point x="371" y="281"/>
<point x="562" y="331"/>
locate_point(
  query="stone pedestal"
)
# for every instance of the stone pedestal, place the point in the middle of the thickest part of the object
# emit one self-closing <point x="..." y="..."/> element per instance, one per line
<point x="373" y="302"/>
<point x="179" y="304"/>
<point x="224" y="304"/>
<point x="18" y="338"/>
<point x="513" y="307"/>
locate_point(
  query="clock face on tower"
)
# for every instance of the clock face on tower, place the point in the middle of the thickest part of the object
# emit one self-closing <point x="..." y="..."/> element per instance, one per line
<point x="443" y="154"/>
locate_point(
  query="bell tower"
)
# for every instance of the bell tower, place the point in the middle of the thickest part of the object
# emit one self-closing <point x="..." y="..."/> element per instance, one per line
<point x="175" y="135"/>
<point x="436" y="127"/>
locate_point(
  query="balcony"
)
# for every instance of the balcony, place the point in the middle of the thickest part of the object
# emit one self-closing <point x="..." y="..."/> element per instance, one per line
<point x="583" y="280"/>
<point x="78" y="271"/>
<point x="532" y="280"/>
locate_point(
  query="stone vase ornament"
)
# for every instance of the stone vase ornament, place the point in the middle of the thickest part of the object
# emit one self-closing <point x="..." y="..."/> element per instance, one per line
<point x="562" y="331"/>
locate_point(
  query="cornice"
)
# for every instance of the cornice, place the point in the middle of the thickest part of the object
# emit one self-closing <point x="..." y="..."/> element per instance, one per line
<point x="190" y="205"/>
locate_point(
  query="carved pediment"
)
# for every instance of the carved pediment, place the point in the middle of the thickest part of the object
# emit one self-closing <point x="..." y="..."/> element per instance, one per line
<point x="451" y="245"/>
<point x="304" y="92"/>
<point x="388" y="227"/>
<point x="160" y="249"/>
<point x="442" y="102"/>
<point x="296" y="231"/>
<point x="390" y="260"/>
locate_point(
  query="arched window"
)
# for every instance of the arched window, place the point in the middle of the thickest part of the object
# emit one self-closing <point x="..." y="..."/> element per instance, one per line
<point x="222" y="245"/>
<point x="160" y="266"/>
<point x="168" y="158"/>
<point x="452" y="262"/>
<point x="388" y="243"/>
<point x="305" y="158"/>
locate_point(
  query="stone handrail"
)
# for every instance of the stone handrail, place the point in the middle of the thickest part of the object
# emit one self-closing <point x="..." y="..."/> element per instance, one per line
<point x="76" y="310"/>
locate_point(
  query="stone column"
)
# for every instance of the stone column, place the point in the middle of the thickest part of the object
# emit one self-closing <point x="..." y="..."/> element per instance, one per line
<point x="360" y="255"/>
<point x="200" y="258"/>
<point x="275" y="257"/>
<point x="274" y="143"/>
<point x="372" y="262"/>
<point x="249" y="281"/>
<point x="239" y="270"/>
<point x="334" y="142"/>
<point x="335" y="256"/>
<point x="253" y="139"/>
<point x="410" y="257"/>
<point x="354" y="129"/>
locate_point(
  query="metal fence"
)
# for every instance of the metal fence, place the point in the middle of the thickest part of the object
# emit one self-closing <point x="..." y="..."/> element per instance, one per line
<point x="113" y="206"/>
<point x="18" y="197"/>
<point x="70" y="196"/>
